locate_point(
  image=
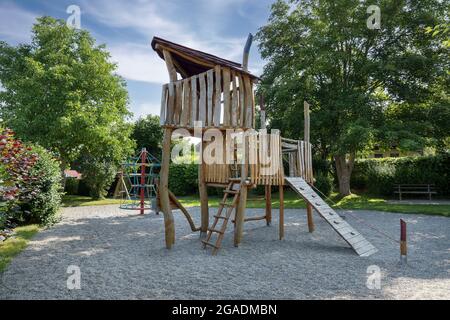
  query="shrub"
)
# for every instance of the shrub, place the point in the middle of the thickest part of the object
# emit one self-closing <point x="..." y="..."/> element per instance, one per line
<point x="98" y="175"/>
<point x="71" y="186"/>
<point x="44" y="205"/>
<point x="324" y="183"/>
<point x="183" y="179"/>
<point x="30" y="182"/>
<point x="378" y="176"/>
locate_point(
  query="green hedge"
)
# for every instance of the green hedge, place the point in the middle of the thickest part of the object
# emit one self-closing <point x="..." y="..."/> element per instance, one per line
<point x="183" y="179"/>
<point x="378" y="176"/>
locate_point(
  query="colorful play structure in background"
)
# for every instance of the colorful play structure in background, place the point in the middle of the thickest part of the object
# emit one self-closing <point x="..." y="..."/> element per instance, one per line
<point x="138" y="183"/>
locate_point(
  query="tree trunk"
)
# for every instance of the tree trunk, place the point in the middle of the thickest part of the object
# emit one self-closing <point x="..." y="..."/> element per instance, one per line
<point x="63" y="167"/>
<point x="344" y="168"/>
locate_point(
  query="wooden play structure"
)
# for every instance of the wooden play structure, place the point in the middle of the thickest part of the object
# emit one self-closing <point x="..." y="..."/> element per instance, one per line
<point x="214" y="100"/>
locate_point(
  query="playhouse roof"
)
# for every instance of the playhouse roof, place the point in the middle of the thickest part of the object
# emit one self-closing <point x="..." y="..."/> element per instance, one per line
<point x="189" y="62"/>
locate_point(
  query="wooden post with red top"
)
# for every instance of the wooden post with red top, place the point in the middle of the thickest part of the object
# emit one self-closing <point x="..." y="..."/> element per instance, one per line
<point x="142" y="195"/>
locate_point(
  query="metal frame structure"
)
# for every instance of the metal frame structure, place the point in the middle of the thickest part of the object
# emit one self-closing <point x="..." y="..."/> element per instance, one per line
<point x="138" y="183"/>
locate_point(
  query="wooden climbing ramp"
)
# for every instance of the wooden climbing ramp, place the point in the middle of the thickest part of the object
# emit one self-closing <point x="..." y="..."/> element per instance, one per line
<point x="358" y="243"/>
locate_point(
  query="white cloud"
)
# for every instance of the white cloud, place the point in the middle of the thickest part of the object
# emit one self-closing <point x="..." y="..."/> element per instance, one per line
<point x="139" y="63"/>
<point x="149" y="18"/>
<point x="144" y="109"/>
<point x="15" y="23"/>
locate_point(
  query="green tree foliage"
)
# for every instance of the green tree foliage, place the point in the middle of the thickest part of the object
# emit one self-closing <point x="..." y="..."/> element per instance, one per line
<point x="322" y="51"/>
<point x="148" y="133"/>
<point x="378" y="176"/>
<point x="61" y="91"/>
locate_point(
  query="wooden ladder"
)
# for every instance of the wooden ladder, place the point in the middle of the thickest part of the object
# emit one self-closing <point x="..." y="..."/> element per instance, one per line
<point x="233" y="188"/>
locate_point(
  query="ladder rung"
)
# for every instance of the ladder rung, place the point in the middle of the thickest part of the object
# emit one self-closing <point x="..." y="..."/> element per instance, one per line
<point x="209" y="244"/>
<point x="214" y="230"/>
<point x="230" y="191"/>
<point x="220" y="217"/>
<point x="226" y="204"/>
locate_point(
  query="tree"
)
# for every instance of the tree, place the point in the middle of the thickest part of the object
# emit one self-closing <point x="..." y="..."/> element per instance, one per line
<point x="322" y="51"/>
<point x="147" y="133"/>
<point x="61" y="91"/>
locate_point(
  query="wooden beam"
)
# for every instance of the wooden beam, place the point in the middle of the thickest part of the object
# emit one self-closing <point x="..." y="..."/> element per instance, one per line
<point x="169" y="224"/>
<point x="240" y="211"/>
<point x="309" y="210"/>
<point x="203" y="191"/>
<point x="184" y="211"/>
<point x="281" y="221"/>
<point x="170" y="66"/>
<point x="268" y="192"/>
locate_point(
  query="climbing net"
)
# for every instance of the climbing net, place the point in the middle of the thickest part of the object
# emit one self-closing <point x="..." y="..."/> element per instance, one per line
<point x="138" y="182"/>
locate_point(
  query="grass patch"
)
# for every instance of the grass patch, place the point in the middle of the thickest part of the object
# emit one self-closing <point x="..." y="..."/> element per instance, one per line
<point x="83" y="201"/>
<point x="13" y="246"/>
<point x="291" y="201"/>
<point x="352" y="202"/>
<point x="356" y="202"/>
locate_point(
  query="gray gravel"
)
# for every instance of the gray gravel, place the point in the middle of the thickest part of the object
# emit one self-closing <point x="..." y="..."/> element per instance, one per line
<point x="122" y="256"/>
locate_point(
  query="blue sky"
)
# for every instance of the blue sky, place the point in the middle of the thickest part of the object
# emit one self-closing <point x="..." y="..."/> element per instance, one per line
<point x="126" y="27"/>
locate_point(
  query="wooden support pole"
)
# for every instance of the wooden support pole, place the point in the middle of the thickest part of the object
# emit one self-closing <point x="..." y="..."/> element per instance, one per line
<point x="170" y="66"/>
<point x="203" y="191"/>
<point x="403" y="242"/>
<point x="309" y="211"/>
<point x="240" y="211"/>
<point x="268" y="192"/>
<point x="169" y="224"/>
<point x="281" y="222"/>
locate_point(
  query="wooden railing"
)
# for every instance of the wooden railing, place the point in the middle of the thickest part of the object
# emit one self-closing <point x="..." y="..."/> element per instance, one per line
<point x="298" y="154"/>
<point x="263" y="159"/>
<point x="220" y="97"/>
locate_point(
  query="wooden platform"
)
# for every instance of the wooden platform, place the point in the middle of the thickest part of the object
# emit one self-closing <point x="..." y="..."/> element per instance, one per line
<point x="358" y="243"/>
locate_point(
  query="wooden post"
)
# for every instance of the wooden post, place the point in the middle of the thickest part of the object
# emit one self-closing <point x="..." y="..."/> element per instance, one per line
<point x="310" y="217"/>
<point x="309" y="177"/>
<point x="268" y="204"/>
<point x="403" y="243"/>
<point x="240" y="211"/>
<point x="169" y="224"/>
<point x="203" y="191"/>
<point x="281" y="226"/>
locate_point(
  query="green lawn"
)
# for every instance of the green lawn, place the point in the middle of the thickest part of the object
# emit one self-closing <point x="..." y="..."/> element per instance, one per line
<point x="12" y="246"/>
<point x="353" y="202"/>
<point x="82" y="201"/>
<point x="292" y="201"/>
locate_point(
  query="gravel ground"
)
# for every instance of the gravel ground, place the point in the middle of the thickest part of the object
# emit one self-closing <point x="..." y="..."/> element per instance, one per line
<point x="122" y="256"/>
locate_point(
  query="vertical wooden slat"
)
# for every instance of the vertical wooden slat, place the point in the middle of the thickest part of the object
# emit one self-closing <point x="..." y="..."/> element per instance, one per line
<point x="226" y="97"/>
<point x="178" y="102"/>
<point x="210" y="93"/>
<point x="241" y="101"/>
<point x="171" y="104"/>
<point x="202" y="101"/>
<point x="163" y="112"/>
<point x="185" y="113"/>
<point x="194" y="100"/>
<point x="234" y="101"/>
<point x="218" y="96"/>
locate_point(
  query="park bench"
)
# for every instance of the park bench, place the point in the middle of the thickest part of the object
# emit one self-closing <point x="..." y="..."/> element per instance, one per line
<point x="401" y="189"/>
